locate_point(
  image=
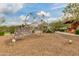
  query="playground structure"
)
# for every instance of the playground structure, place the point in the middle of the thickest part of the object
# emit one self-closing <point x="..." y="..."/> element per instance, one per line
<point x="21" y="32"/>
<point x="24" y="30"/>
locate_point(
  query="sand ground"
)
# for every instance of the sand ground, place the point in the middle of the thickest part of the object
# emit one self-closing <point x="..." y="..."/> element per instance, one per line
<point x="47" y="44"/>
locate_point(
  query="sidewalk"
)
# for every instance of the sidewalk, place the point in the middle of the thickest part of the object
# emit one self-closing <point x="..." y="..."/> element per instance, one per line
<point x="66" y="33"/>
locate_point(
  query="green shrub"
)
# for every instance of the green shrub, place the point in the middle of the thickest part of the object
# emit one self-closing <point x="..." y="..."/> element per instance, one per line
<point x="1" y="33"/>
<point x="77" y="32"/>
<point x="11" y="29"/>
<point x="62" y="30"/>
<point x="48" y="30"/>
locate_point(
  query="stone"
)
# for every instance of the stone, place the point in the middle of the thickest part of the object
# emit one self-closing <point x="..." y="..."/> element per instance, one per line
<point x="70" y="41"/>
<point x="13" y="40"/>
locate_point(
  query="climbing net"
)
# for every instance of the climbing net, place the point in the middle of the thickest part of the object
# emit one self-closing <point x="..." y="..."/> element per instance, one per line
<point x="22" y="31"/>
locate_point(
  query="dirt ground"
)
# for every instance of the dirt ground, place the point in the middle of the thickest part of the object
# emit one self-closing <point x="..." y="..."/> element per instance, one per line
<point x="44" y="45"/>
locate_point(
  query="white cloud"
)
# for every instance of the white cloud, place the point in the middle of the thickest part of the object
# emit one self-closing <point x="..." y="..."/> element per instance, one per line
<point x="5" y="8"/>
<point x="22" y="17"/>
<point x="51" y="19"/>
<point x="43" y="13"/>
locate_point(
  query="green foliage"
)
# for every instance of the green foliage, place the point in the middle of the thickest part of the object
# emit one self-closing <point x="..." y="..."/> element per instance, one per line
<point x="52" y="27"/>
<point x="5" y="29"/>
<point x="72" y="9"/>
<point x="77" y="32"/>
<point x="62" y="30"/>
<point x="49" y="30"/>
<point x="11" y="29"/>
<point x="43" y="26"/>
<point x="46" y="28"/>
<point x="55" y="26"/>
<point x="1" y="33"/>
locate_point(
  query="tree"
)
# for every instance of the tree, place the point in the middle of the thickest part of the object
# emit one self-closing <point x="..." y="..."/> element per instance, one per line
<point x="56" y="26"/>
<point x="72" y="11"/>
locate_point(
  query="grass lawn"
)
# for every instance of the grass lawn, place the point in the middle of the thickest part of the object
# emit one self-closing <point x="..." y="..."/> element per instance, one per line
<point x="7" y="33"/>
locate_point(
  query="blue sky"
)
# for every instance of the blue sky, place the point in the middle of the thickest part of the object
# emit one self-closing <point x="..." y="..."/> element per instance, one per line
<point x="14" y="13"/>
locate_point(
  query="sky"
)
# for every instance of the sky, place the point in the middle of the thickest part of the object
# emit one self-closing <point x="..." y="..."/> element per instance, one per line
<point x="14" y="13"/>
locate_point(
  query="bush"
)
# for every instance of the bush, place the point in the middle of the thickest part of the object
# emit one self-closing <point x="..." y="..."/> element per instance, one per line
<point x="1" y="33"/>
<point x="48" y="30"/>
<point x="77" y="32"/>
<point x="11" y="29"/>
<point x="62" y="30"/>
